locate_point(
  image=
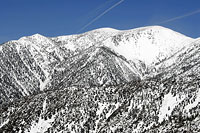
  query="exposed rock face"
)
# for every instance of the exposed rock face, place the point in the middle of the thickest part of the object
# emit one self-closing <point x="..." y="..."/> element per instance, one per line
<point x="140" y="80"/>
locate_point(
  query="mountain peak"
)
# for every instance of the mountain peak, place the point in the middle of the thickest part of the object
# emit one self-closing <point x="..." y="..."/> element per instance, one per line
<point x="149" y="44"/>
<point x="106" y="29"/>
<point x="37" y="35"/>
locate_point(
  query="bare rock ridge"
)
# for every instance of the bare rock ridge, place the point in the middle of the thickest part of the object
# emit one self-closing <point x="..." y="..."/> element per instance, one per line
<point x="106" y="80"/>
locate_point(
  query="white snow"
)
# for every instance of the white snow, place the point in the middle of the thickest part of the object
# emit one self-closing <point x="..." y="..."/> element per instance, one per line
<point x="70" y="125"/>
<point x="112" y="110"/>
<point x="168" y="104"/>
<point x="44" y="104"/>
<point x="36" y="44"/>
<point x="131" y="106"/>
<point x="33" y="72"/>
<point x="148" y="44"/>
<point x="70" y="46"/>
<point x="42" y="125"/>
<point x="4" y="123"/>
<point x="17" y="48"/>
<point x="107" y="29"/>
<point x="43" y="84"/>
<point x="90" y="58"/>
<point x="1" y="48"/>
<point x="102" y="106"/>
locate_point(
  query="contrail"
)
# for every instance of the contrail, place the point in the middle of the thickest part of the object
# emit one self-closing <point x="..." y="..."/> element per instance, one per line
<point x="99" y="16"/>
<point x="180" y="17"/>
<point x="99" y="8"/>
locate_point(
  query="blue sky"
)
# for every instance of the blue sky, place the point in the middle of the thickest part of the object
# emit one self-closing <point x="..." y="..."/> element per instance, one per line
<point x="63" y="17"/>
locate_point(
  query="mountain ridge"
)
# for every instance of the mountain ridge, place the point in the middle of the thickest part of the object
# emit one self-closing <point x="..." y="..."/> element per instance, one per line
<point x="40" y="55"/>
<point x="91" y="82"/>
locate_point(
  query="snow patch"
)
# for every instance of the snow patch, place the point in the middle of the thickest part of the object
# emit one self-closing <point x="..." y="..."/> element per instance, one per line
<point x="41" y="126"/>
<point x="131" y="105"/>
<point x="43" y="84"/>
<point x="117" y="105"/>
<point x="44" y="104"/>
<point x="102" y="106"/>
<point x="168" y="104"/>
<point x="18" y="48"/>
<point x="1" y="48"/>
<point x="4" y="123"/>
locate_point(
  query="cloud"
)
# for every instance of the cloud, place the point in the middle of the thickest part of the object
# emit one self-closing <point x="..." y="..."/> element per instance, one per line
<point x="180" y="17"/>
<point x="101" y="15"/>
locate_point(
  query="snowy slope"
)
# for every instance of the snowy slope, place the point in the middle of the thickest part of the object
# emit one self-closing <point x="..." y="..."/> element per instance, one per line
<point x="149" y="44"/>
<point x="38" y="56"/>
<point x="96" y="66"/>
<point x="25" y="65"/>
<point x="108" y="92"/>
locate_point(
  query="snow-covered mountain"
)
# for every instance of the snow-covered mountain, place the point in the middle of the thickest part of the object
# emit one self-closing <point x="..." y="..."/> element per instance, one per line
<point x="148" y="44"/>
<point x="33" y="59"/>
<point x="105" y="80"/>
